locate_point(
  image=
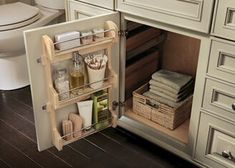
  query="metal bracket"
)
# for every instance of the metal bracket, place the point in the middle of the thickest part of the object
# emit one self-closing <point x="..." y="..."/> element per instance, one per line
<point x="115" y="104"/>
<point x="39" y="60"/>
<point x="123" y="33"/>
<point x="44" y="107"/>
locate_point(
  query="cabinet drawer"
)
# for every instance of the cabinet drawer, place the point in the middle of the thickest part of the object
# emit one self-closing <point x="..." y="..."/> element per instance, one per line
<point x="109" y="4"/>
<point x="78" y="10"/>
<point x="191" y="14"/>
<point x="224" y="22"/>
<point x="216" y="139"/>
<point x="220" y="99"/>
<point x="222" y="60"/>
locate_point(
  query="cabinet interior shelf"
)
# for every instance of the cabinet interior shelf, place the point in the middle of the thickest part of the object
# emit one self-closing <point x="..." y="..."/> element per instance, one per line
<point x="180" y="133"/>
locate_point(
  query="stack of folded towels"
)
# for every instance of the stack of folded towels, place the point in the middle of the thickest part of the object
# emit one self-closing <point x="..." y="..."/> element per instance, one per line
<point x="169" y="87"/>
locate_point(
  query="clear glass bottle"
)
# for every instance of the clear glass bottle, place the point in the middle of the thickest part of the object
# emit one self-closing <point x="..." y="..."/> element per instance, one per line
<point x="77" y="74"/>
<point x="62" y="83"/>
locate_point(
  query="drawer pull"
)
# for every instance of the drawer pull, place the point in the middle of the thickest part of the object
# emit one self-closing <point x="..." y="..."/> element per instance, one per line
<point x="229" y="16"/>
<point x="228" y="155"/>
<point x="233" y="106"/>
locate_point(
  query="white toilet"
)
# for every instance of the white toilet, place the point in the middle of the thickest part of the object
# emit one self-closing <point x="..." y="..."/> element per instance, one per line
<point x="14" y="19"/>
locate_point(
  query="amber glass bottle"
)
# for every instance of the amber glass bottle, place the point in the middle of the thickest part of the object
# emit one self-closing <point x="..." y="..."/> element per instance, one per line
<point x="77" y="74"/>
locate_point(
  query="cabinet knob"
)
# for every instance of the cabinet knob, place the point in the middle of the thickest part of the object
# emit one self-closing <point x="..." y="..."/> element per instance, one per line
<point x="233" y="106"/>
<point x="226" y="154"/>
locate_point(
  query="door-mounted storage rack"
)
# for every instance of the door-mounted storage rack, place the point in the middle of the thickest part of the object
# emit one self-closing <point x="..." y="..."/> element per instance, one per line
<point x="51" y="55"/>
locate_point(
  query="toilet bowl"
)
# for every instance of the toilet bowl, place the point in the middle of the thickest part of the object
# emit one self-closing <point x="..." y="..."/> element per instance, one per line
<point x="14" y="19"/>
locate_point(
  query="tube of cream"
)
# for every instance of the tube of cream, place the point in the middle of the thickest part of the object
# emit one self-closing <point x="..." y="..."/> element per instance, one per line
<point x="85" y="111"/>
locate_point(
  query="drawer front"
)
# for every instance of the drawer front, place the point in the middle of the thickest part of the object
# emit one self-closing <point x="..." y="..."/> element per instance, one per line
<point x="78" y="10"/>
<point x="224" y="22"/>
<point x="215" y="142"/>
<point x="191" y="14"/>
<point x="222" y="60"/>
<point x="109" y="4"/>
<point x="219" y="98"/>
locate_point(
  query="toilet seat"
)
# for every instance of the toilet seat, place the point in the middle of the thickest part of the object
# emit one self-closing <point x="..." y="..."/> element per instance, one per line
<point x="16" y="15"/>
<point x="15" y="18"/>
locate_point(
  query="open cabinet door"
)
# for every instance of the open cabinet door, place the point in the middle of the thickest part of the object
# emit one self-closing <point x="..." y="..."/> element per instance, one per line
<point x="41" y="54"/>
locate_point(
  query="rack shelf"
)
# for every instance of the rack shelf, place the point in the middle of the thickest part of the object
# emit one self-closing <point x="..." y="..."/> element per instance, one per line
<point x="60" y="140"/>
<point x="85" y="94"/>
<point x="51" y="56"/>
<point x="55" y="55"/>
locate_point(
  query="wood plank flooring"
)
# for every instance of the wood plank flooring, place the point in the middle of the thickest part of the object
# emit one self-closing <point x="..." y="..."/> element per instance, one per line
<point x="111" y="148"/>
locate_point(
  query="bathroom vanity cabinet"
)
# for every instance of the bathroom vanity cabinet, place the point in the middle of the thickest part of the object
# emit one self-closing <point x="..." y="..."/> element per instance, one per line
<point x="186" y="36"/>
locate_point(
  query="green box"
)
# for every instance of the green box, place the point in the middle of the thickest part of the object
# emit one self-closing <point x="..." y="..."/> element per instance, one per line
<point x="101" y="113"/>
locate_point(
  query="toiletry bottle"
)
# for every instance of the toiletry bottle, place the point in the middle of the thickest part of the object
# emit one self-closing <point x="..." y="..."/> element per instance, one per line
<point x="62" y="83"/>
<point x="76" y="74"/>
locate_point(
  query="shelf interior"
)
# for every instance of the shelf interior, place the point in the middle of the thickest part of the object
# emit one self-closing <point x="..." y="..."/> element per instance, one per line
<point x="161" y="50"/>
<point x="180" y="133"/>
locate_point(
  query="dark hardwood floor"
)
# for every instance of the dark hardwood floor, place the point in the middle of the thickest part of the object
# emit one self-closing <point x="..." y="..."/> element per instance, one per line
<point x="111" y="148"/>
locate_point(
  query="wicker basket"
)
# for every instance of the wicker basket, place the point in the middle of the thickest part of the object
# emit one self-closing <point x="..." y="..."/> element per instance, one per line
<point x="164" y="115"/>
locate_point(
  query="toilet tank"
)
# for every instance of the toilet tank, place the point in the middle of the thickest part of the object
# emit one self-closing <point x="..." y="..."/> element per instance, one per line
<point x="53" y="4"/>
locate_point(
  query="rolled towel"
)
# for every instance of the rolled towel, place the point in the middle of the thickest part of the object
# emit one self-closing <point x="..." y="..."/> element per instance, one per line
<point x="174" y="80"/>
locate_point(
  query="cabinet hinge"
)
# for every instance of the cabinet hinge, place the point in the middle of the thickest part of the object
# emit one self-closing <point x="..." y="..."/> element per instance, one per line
<point x="115" y="104"/>
<point x="123" y="33"/>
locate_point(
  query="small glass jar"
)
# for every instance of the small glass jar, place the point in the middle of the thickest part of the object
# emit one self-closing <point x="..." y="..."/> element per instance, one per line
<point x="62" y="83"/>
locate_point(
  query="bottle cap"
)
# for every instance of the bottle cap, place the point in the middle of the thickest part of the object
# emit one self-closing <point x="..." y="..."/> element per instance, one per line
<point x="61" y="72"/>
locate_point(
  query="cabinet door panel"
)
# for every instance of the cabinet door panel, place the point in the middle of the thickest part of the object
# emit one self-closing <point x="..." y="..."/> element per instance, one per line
<point x="33" y="45"/>
<point x="191" y="14"/>
<point x="219" y="98"/>
<point x="216" y="139"/>
<point x="222" y="60"/>
<point x="109" y="4"/>
<point x="224" y="22"/>
<point x="78" y="10"/>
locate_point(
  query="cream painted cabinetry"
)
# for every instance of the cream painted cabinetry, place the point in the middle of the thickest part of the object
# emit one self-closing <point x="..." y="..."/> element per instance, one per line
<point x="108" y="4"/>
<point x="189" y="14"/>
<point x="180" y="31"/>
<point x="224" y="20"/>
<point x="215" y="142"/>
<point x="79" y="10"/>
<point x="191" y="46"/>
